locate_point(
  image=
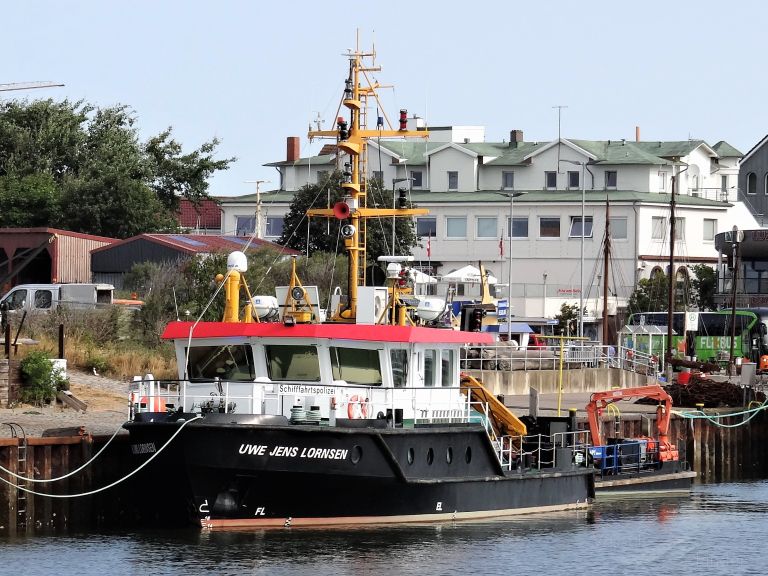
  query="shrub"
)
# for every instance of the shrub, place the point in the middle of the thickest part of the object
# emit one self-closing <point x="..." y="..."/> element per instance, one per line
<point x="40" y="381"/>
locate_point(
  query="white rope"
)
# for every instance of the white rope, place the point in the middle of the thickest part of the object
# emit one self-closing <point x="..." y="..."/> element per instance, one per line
<point x="108" y="486"/>
<point x="45" y="480"/>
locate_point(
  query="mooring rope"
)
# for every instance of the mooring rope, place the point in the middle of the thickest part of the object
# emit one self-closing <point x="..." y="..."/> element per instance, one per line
<point x="45" y="480"/>
<point x="713" y="418"/>
<point x="108" y="486"/>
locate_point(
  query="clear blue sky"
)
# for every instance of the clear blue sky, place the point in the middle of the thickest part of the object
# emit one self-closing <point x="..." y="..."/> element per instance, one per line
<point x="252" y="73"/>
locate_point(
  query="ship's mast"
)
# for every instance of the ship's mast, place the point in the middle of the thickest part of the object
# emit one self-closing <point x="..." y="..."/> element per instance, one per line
<point x="352" y="136"/>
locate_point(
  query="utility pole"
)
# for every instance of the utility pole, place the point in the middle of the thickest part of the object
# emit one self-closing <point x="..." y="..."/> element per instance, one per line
<point x="258" y="227"/>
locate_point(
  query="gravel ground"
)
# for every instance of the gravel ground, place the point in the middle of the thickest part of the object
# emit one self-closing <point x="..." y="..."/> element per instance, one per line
<point x="107" y="409"/>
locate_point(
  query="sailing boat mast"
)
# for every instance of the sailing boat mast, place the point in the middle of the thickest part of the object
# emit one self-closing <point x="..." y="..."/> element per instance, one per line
<point x="606" y="259"/>
<point x="352" y="138"/>
<point x="671" y="282"/>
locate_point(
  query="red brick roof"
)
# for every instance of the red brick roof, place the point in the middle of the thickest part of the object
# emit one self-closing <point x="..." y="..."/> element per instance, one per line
<point x="206" y="215"/>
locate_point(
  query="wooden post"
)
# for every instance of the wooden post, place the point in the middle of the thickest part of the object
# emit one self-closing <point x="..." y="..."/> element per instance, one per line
<point x="7" y="336"/>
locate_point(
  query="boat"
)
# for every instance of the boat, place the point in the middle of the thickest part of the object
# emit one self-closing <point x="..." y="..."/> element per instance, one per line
<point x="642" y="464"/>
<point x="365" y="418"/>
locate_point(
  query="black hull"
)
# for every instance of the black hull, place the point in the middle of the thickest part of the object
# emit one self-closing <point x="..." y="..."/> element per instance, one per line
<point x="243" y="475"/>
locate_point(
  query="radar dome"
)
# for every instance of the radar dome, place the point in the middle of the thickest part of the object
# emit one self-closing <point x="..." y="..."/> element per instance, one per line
<point x="237" y="261"/>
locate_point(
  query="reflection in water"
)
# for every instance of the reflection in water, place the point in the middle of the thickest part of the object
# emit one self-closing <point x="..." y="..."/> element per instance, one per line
<point x="718" y="530"/>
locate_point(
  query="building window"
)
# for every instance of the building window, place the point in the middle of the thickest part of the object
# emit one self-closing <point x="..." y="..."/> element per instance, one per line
<point x="549" y="227"/>
<point x="426" y="226"/>
<point x="611" y="177"/>
<point x="416" y="178"/>
<point x="274" y="226"/>
<point x="765" y="185"/>
<point x="322" y="176"/>
<point x="658" y="227"/>
<point x="710" y="229"/>
<point x="507" y="180"/>
<point x="245" y="225"/>
<point x="519" y="227"/>
<point x="487" y="227"/>
<point x="456" y="227"/>
<point x="618" y="228"/>
<point x="576" y="228"/>
<point x="662" y="181"/>
<point x="453" y="180"/>
<point x="679" y="228"/>
<point x="573" y="180"/>
<point x="550" y="180"/>
<point x="723" y="183"/>
<point x="751" y="183"/>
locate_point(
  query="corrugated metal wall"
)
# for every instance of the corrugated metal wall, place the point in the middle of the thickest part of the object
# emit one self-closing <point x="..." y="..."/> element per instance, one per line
<point x="73" y="261"/>
<point x="122" y="257"/>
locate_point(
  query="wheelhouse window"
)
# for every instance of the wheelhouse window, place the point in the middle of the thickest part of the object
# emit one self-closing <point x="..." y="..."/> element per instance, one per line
<point x="292" y="362"/>
<point x="356" y="365"/>
<point x="430" y="367"/>
<point x="448" y="361"/>
<point x="233" y="362"/>
<point x="399" y="359"/>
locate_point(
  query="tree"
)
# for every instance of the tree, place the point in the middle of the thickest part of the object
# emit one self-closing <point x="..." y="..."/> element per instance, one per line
<point x="324" y="235"/>
<point x="703" y="286"/>
<point x="650" y="294"/>
<point x="93" y="173"/>
<point x="568" y="318"/>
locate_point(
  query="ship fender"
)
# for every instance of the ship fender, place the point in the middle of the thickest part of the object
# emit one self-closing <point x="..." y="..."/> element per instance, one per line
<point x="357" y="407"/>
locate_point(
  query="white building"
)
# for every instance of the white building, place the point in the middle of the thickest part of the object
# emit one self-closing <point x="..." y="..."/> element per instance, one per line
<point x="467" y="183"/>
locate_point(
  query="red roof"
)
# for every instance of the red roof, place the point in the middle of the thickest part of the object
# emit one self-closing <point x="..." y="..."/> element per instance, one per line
<point x="205" y="215"/>
<point x="359" y="332"/>
<point x="202" y="243"/>
<point x="57" y="231"/>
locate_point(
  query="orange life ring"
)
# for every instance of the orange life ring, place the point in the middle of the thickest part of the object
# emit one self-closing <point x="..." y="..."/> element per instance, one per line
<point x="357" y="407"/>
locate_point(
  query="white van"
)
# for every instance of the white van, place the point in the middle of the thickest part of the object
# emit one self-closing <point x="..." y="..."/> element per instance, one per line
<point x="45" y="297"/>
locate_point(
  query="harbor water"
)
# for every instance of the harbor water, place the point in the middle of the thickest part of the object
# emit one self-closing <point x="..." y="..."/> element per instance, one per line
<point x="719" y="530"/>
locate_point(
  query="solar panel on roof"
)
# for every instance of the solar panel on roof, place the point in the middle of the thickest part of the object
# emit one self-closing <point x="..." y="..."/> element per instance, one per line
<point x="187" y="240"/>
<point x="242" y="240"/>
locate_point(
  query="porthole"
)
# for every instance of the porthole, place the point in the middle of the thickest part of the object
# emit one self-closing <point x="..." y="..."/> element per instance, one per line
<point x="468" y="455"/>
<point x="410" y="455"/>
<point x="430" y="456"/>
<point x="356" y="455"/>
<point x="449" y="455"/>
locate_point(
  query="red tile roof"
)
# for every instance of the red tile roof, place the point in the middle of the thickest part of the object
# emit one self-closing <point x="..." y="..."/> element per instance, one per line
<point x="206" y="215"/>
<point x="202" y="244"/>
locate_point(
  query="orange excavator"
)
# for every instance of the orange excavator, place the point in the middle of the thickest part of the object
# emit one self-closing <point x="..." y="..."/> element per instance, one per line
<point x="655" y="451"/>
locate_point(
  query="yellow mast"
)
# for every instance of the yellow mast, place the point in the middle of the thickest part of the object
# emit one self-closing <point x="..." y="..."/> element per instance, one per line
<point x="352" y="137"/>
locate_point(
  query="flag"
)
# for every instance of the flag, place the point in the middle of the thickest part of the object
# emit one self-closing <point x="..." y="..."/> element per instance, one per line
<point x="429" y="246"/>
<point x="501" y="246"/>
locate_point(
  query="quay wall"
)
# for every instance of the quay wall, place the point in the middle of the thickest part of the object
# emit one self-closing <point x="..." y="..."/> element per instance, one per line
<point x="585" y="380"/>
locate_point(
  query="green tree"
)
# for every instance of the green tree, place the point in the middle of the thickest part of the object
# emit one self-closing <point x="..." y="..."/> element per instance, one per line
<point x="324" y="234"/>
<point x="650" y="294"/>
<point x="568" y="318"/>
<point x="703" y="287"/>
<point x="104" y="179"/>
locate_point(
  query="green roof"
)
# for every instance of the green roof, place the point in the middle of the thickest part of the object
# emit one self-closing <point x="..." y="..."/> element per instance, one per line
<point x="725" y="150"/>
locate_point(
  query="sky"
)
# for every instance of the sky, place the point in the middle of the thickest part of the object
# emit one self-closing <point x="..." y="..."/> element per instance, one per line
<point x="252" y="73"/>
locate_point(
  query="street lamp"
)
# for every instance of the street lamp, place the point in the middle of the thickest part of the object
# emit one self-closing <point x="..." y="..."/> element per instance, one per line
<point x="258" y="204"/>
<point x="581" y="263"/>
<point x="512" y="194"/>
<point x="394" y="205"/>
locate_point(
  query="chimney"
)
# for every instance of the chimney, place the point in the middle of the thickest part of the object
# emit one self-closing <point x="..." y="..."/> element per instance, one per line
<point x="637" y="133"/>
<point x="293" y="149"/>
<point x="515" y="138"/>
